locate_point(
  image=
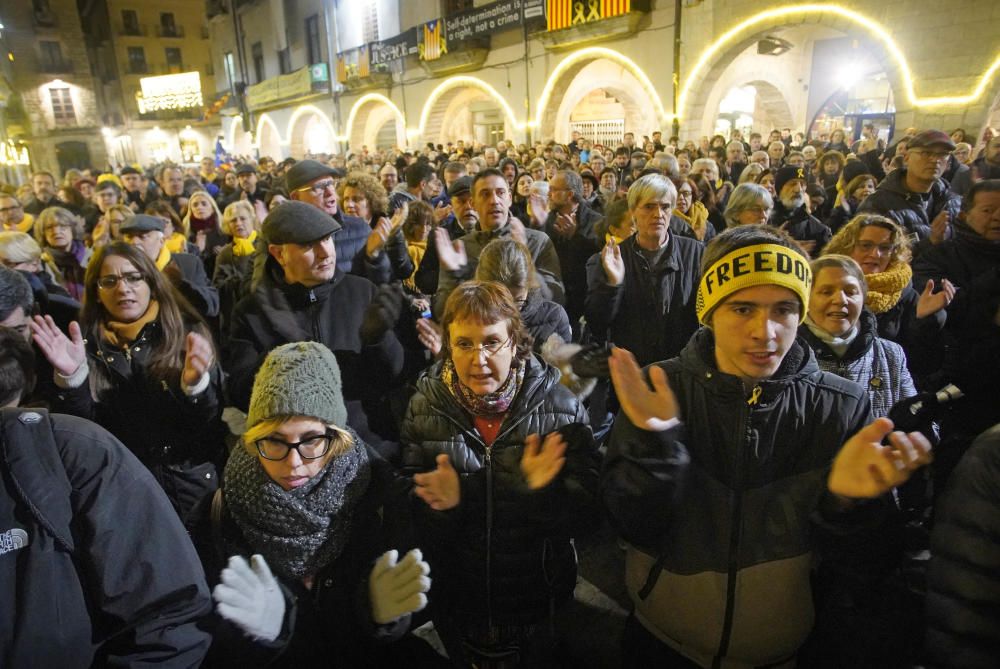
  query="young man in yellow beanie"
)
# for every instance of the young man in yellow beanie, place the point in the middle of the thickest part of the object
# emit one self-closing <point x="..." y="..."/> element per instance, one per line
<point x="729" y="464"/>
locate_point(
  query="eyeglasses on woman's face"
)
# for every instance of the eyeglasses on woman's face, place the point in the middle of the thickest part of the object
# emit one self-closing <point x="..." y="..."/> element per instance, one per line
<point x="111" y="281"/>
<point x="489" y="348"/>
<point x="310" y="448"/>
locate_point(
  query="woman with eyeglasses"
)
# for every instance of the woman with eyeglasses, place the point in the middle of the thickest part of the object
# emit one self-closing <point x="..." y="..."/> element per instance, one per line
<point x="882" y="249"/>
<point x="306" y="541"/>
<point x="691" y="211"/>
<point x="506" y="467"/>
<point x="60" y="234"/>
<point x="142" y="364"/>
<point x="750" y="204"/>
<point x="234" y="264"/>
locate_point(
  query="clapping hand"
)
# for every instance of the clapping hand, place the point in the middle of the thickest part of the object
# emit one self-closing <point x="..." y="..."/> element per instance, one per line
<point x="931" y="302"/>
<point x="864" y="468"/>
<point x="541" y="461"/>
<point x="65" y="354"/>
<point x="396" y="589"/>
<point x="198" y="359"/>
<point x="451" y="254"/>
<point x="439" y="488"/>
<point x="250" y="598"/>
<point x="429" y="334"/>
<point x="614" y="266"/>
<point x="383" y="230"/>
<point x="654" y="409"/>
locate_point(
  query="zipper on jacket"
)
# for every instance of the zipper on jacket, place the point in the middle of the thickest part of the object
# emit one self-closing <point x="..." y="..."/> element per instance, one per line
<point x="735" y="531"/>
<point x="489" y="534"/>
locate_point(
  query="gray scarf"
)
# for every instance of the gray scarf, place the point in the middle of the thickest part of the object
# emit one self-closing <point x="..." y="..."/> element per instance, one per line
<point x="298" y="531"/>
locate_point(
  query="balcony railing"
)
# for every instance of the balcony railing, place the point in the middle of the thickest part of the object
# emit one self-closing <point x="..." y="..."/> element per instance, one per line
<point x="133" y="31"/>
<point x="61" y="66"/>
<point x="138" y="68"/>
<point x="170" y="31"/>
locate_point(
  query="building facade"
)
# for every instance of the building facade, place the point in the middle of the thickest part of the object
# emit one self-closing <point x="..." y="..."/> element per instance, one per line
<point x="408" y="73"/>
<point x="51" y="109"/>
<point x="157" y="79"/>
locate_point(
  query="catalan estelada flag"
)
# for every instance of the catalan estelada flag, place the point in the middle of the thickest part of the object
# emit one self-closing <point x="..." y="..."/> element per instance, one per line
<point x="364" y="64"/>
<point x="434" y="44"/>
<point x="558" y="14"/>
<point x="611" y="8"/>
<point x="341" y="69"/>
<point x="561" y="14"/>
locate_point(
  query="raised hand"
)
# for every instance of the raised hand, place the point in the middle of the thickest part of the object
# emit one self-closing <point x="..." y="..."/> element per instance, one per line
<point x="378" y="237"/>
<point x="439" y="488"/>
<point x="249" y="597"/>
<point x="65" y="354"/>
<point x="441" y="212"/>
<point x="542" y="462"/>
<point x="864" y="468"/>
<point x="198" y="359"/>
<point x="939" y="227"/>
<point x="611" y="261"/>
<point x="517" y="232"/>
<point x="396" y="589"/>
<point x="565" y="224"/>
<point x="429" y="334"/>
<point x="399" y="216"/>
<point x="539" y="210"/>
<point x="649" y="409"/>
<point x="931" y="302"/>
<point x="451" y="255"/>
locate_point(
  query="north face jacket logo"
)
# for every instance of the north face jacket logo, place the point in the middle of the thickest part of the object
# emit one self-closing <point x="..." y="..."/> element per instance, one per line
<point x="12" y="540"/>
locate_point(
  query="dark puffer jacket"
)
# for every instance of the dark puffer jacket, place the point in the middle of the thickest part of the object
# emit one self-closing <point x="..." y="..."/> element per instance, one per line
<point x="913" y="211"/>
<point x="722" y="510"/>
<point x="963" y="580"/>
<point x="544" y="318"/>
<point x="573" y="254"/>
<point x="504" y="554"/>
<point x="801" y="225"/>
<point x="652" y="312"/>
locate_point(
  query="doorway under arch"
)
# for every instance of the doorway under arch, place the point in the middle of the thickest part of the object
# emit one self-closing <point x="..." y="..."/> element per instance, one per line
<point x="268" y="138"/>
<point x="310" y="132"/>
<point x="468" y="109"/>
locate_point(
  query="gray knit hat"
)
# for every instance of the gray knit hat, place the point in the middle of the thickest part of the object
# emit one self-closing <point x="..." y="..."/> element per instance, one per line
<point x="298" y="379"/>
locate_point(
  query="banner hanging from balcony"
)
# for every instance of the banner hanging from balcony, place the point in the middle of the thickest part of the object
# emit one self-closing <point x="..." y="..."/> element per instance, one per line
<point x="434" y="43"/>
<point x="561" y="14"/>
<point x="485" y="20"/>
<point x="394" y="48"/>
<point x="171" y="91"/>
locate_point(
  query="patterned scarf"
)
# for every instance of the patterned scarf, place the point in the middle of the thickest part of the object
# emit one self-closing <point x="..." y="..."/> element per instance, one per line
<point x="489" y="404"/>
<point x="121" y="335"/>
<point x="243" y="246"/>
<point x="302" y="530"/>
<point x="885" y="288"/>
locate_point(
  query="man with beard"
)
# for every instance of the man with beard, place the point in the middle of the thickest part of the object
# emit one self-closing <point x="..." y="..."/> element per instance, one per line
<point x="138" y="191"/>
<point x="43" y="186"/>
<point x="986" y="167"/>
<point x="171" y="180"/>
<point x="790" y="213"/>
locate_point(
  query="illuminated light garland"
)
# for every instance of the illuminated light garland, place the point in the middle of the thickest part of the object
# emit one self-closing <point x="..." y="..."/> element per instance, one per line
<point x="308" y="109"/>
<point x="10" y="155"/>
<point x="260" y="128"/>
<point x="873" y="27"/>
<point x="470" y="82"/>
<point x="374" y="98"/>
<point x="594" y="53"/>
<point x="171" y="91"/>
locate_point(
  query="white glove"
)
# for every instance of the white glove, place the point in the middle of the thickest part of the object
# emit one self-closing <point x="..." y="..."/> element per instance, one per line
<point x="396" y="589"/>
<point x="250" y="598"/>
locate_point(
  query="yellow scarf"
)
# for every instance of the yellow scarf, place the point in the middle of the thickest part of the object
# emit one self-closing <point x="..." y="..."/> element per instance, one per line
<point x="698" y="220"/>
<point x="416" y="250"/>
<point x="163" y="259"/>
<point x="244" y="246"/>
<point x="121" y="335"/>
<point x="26" y="224"/>
<point x="177" y="243"/>
<point x="885" y="288"/>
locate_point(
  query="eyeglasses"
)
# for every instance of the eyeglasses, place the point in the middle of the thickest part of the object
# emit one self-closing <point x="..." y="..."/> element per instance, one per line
<point x="489" y="349"/>
<point x="937" y="156"/>
<point x="868" y="247"/>
<point x="272" y="448"/>
<point x="4" y="210"/>
<point x="110" y="281"/>
<point x="320" y="186"/>
<point x="54" y="226"/>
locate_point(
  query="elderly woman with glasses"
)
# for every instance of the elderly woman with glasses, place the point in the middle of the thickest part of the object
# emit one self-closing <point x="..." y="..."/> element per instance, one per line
<point x="882" y="249"/>
<point x="507" y="469"/>
<point x="750" y="204"/>
<point x="141" y="363"/>
<point x="305" y="541"/>
<point x="60" y="232"/>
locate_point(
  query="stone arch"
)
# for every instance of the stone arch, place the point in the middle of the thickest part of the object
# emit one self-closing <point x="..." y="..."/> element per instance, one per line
<point x="240" y="141"/>
<point x="612" y="77"/>
<point x="310" y="131"/>
<point x="448" y="105"/>
<point x="773" y="96"/>
<point x="701" y="79"/>
<point x="268" y="138"/>
<point x="618" y="74"/>
<point x="368" y="117"/>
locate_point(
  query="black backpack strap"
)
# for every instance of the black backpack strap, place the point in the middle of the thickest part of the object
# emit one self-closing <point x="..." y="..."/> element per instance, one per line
<point x="28" y="451"/>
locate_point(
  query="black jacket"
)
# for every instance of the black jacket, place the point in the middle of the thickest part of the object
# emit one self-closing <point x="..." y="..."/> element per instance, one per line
<point x="177" y="436"/>
<point x="231" y="278"/>
<point x="542" y="319"/>
<point x="963" y="580"/>
<point x="652" y="313"/>
<point x="332" y="313"/>
<point x="801" y="225"/>
<point x="504" y="553"/>
<point x="721" y="511"/>
<point x="573" y="255"/>
<point x="330" y="625"/>
<point x="979" y="168"/>
<point x="194" y="284"/>
<point x="106" y="576"/>
<point x="913" y="211"/>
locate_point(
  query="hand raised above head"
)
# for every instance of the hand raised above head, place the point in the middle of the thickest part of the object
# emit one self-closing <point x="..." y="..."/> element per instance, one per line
<point x="654" y="409"/>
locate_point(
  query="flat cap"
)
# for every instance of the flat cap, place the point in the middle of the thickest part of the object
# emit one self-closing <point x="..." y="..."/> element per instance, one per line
<point x="296" y="222"/>
<point x="246" y="168"/>
<point x="128" y="169"/>
<point x="305" y="171"/>
<point x="460" y="186"/>
<point x="142" y="223"/>
<point x="929" y="138"/>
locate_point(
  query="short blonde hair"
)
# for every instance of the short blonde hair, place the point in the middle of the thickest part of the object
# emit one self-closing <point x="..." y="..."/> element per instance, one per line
<point x="18" y="247"/>
<point x="342" y="442"/>
<point x="57" y="215"/>
<point x="233" y="209"/>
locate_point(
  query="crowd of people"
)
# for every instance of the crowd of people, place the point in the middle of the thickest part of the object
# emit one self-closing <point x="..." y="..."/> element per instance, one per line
<point x="287" y="413"/>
